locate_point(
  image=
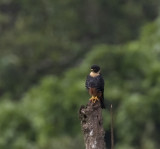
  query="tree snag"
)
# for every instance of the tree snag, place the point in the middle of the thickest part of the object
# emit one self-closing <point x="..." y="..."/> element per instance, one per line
<point x="92" y="125"/>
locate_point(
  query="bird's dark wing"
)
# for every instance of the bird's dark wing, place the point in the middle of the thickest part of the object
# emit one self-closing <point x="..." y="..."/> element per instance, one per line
<point x="100" y="83"/>
<point x="87" y="82"/>
<point x="101" y="88"/>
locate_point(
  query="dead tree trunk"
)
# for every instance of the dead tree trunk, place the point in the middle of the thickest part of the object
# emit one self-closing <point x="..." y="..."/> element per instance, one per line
<point x="92" y="126"/>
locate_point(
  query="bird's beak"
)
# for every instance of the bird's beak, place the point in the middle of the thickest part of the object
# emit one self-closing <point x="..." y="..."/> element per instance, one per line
<point x="91" y="69"/>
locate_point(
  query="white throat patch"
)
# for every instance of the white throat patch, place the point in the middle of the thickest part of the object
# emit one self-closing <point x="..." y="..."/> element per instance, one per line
<point x="93" y="74"/>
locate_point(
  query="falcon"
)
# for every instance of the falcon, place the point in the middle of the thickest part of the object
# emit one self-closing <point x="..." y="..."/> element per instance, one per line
<point x="95" y="85"/>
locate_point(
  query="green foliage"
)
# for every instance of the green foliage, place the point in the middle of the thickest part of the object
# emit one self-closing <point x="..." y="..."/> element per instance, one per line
<point x="41" y="117"/>
<point x="48" y="111"/>
<point x="46" y="37"/>
<point x="16" y="128"/>
<point x="47" y="48"/>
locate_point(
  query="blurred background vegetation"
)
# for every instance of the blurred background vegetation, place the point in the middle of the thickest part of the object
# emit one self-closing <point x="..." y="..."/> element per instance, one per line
<point x="46" y="49"/>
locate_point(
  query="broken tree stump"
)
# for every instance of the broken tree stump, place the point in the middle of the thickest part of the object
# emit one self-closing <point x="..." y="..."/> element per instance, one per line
<point x="92" y="126"/>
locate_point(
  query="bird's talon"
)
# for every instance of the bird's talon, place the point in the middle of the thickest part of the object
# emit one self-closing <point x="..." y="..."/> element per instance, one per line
<point x="91" y="99"/>
<point x="94" y="99"/>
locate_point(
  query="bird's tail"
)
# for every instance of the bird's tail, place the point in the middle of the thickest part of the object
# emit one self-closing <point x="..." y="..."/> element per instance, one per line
<point x="102" y="102"/>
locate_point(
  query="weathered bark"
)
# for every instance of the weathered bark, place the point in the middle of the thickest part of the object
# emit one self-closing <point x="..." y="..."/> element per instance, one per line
<point x="92" y="126"/>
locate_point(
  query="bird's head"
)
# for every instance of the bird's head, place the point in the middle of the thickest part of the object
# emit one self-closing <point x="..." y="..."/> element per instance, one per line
<point x="95" y="68"/>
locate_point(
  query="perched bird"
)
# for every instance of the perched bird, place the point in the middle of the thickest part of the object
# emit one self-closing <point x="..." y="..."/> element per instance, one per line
<point x="95" y="85"/>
